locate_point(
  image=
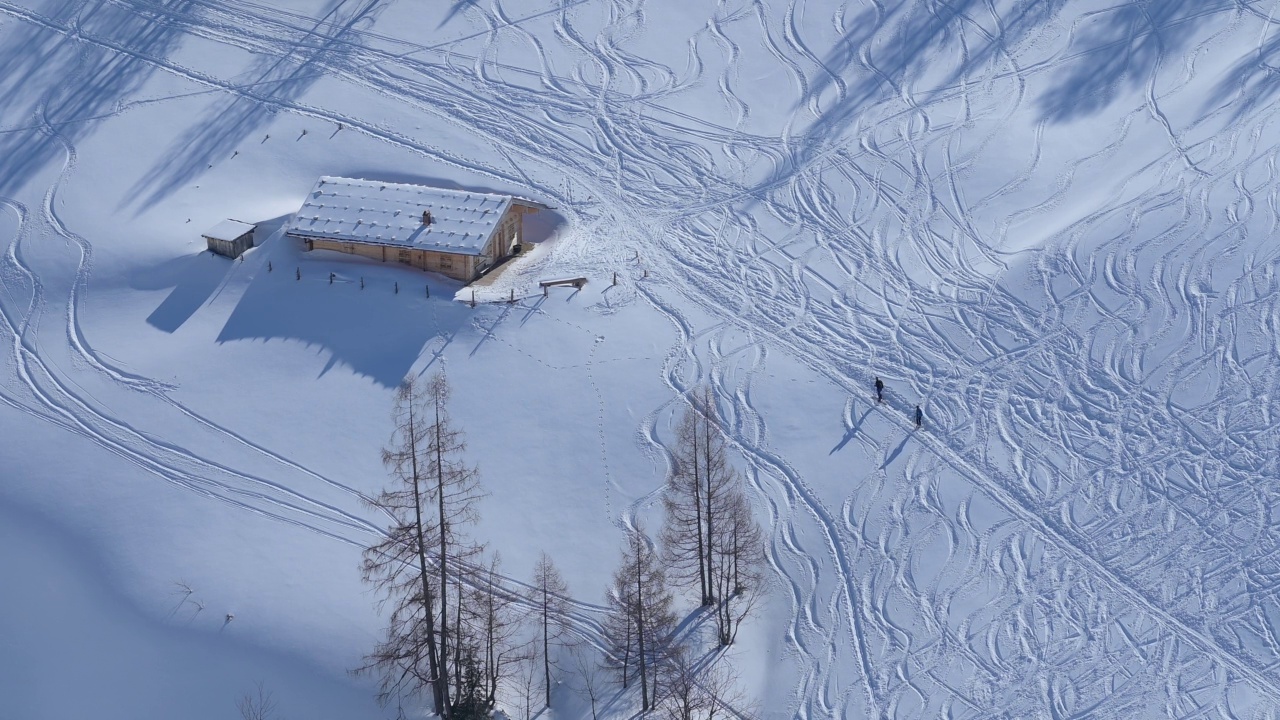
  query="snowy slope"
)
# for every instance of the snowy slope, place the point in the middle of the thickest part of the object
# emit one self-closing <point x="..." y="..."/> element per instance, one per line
<point x="1047" y="223"/>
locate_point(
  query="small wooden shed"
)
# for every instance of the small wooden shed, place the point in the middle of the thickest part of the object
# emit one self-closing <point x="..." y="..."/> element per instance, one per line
<point x="230" y="238"/>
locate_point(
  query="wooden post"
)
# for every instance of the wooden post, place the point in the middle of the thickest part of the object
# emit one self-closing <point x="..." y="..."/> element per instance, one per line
<point x="428" y="290"/>
<point x="297" y="273"/>
<point x="513" y="295"/>
<point x="473" y="298"/>
<point x="361" y="282"/>
<point x="397" y="287"/>
<point x="615" y="277"/>
<point x="268" y="266"/>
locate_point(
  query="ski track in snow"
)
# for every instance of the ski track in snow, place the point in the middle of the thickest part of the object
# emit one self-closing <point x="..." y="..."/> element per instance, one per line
<point x="1131" y="568"/>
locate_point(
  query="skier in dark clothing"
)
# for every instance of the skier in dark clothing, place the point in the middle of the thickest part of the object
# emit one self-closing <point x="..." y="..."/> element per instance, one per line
<point x="919" y="417"/>
<point x="879" y="389"/>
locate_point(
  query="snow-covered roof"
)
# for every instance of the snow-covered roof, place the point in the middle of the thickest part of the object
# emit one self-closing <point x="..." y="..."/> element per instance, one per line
<point x="386" y="213"/>
<point x="228" y="230"/>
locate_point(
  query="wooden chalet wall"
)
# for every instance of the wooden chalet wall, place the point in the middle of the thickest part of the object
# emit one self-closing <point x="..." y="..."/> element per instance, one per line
<point x="456" y="266"/>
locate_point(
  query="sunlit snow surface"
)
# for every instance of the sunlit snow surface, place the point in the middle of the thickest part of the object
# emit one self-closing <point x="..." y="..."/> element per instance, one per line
<point x="1048" y="223"/>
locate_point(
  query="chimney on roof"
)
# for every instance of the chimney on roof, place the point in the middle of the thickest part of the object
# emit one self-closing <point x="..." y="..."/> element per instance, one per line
<point x="426" y="217"/>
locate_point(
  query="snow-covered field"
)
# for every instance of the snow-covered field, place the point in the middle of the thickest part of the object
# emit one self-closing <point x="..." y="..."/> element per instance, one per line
<point x="1050" y="224"/>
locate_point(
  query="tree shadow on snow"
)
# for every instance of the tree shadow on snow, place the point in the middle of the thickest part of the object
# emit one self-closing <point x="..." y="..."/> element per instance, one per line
<point x="1251" y="83"/>
<point x="885" y="48"/>
<point x="457" y="7"/>
<point x="61" y="72"/>
<point x="274" y="82"/>
<point x="1118" y="49"/>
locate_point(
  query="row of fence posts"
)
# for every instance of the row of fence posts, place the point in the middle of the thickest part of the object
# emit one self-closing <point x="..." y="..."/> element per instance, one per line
<point x="297" y="275"/>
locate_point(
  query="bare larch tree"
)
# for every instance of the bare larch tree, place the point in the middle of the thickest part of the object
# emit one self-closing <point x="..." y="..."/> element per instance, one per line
<point x="696" y="496"/>
<point x="548" y="595"/>
<point x="735" y="569"/>
<point x="496" y="625"/>
<point x="641" y="623"/>
<point x="709" y="535"/>
<point x="432" y="499"/>
<point x="704" y="689"/>
<point x="257" y="706"/>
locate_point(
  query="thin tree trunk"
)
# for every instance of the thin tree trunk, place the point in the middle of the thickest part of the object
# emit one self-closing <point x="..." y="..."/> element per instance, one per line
<point x="704" y="575"/>
<point x="736" y="555"/>
<point x="626" y="658"/>
<point x="433" y="661"/>
<point x="444" y="575"/>
<point x="709" y="598"/>
<point x="644" y="677"/>
<point x="491" y="642"/>
<point x="457" y="633"/>
<point x="546" y="647"/>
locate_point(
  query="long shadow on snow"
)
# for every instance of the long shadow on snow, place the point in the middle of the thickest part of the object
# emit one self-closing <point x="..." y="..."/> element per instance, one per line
<point x="1118" y="49"/>
<point x="457" y="8"/>
<point x="376" y="332"/>
<point x="193" y="279"/>
<point x="273" y="81"/>
<point x="894" y="45"/>
<point x="1108" y="52"/>
<point x="1251" y="82"/>
<point x="52" y="74"/>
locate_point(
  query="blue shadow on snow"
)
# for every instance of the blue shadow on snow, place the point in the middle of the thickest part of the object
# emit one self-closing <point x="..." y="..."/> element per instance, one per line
<point x="193" y="279"/>
<point x="61" y="74"/>
<point x="274" y="82"/>
<point x="375" y="331"/>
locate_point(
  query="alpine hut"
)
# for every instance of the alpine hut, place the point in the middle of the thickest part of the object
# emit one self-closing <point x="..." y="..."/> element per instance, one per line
<point x="230" y="238"/>
<point x="453" y="232"/>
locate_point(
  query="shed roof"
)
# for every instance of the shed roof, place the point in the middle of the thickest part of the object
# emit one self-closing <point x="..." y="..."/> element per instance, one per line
<point x="228" y="230"/>
<point x="386" y="213"/>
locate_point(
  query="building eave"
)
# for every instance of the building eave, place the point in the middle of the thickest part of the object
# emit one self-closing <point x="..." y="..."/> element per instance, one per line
<point x="445" y="250"/>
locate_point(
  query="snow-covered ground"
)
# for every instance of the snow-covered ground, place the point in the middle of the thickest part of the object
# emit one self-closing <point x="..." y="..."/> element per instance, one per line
<point x="1049" y="224"/>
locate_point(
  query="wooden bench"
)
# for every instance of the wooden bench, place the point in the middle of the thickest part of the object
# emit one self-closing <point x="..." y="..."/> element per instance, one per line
<point x="577" y="283"/>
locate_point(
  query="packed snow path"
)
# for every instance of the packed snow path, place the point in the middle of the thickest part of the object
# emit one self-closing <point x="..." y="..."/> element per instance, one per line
<point x="1048" y="223"/>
